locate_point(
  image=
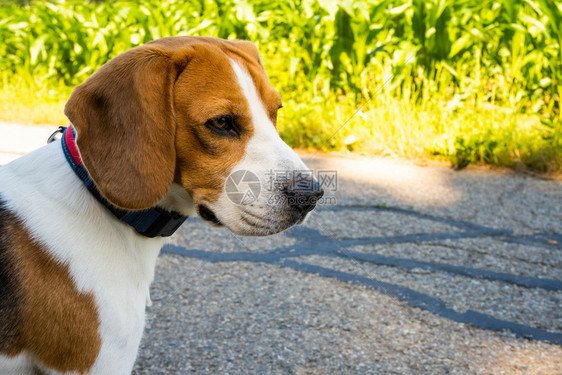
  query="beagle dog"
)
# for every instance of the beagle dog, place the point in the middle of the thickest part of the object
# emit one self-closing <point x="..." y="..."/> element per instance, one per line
<point x="156" y="133"/>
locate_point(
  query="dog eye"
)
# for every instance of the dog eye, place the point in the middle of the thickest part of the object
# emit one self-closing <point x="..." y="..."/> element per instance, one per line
<point x="224" y="125"/>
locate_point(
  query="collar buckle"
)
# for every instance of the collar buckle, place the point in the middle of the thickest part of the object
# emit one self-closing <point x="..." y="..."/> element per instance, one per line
<point x="53" y="136"/>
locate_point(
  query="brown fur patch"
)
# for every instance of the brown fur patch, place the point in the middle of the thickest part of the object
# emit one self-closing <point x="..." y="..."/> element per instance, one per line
<point x="56" y="325"/>
<point x="11" y="303"/>
<point x="208" y="88"/>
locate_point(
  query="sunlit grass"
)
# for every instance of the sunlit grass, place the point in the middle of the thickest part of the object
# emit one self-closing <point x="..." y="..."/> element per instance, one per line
<point x="391" y="126"/>
<point x="26" y="101"/>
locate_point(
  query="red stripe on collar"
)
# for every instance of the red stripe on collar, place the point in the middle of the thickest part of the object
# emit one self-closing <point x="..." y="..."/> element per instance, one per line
<point x="71" y="145"/>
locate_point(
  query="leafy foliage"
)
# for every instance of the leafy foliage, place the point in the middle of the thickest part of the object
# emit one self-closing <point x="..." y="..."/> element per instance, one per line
<point x="449" y="78"/>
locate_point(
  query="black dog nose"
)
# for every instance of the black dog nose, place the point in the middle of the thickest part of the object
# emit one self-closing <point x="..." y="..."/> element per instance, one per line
<point x="304" y="193"/>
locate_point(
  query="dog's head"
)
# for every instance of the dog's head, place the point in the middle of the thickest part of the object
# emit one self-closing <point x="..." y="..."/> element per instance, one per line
<point x="190" y="123"/>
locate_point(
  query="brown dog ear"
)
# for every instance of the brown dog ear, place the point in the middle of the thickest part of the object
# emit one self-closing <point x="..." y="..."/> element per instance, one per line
<point x="125" y="123"/>
<point x="247" y="47"/>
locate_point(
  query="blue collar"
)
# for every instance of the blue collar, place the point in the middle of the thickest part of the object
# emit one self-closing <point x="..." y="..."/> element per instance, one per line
<point x="152" y="222"/>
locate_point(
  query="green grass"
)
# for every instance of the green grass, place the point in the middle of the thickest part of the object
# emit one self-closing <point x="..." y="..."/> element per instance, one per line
<point x="394" y="127"/>
<point x="471" y="82"/>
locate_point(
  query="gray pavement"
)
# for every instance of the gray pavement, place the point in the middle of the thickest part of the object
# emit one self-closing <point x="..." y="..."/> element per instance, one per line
<point x="407" y="270"/>
<point x="413" y="270"/>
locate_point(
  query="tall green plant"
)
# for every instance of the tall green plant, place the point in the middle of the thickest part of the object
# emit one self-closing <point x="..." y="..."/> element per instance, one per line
<point x="466" y="55"/>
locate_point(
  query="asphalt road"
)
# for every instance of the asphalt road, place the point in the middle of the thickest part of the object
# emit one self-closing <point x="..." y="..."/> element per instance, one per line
<point x="404" y="269"/>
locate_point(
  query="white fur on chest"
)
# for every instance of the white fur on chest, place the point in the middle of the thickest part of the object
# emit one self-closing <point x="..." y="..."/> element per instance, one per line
<point x="104" y="256"/>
